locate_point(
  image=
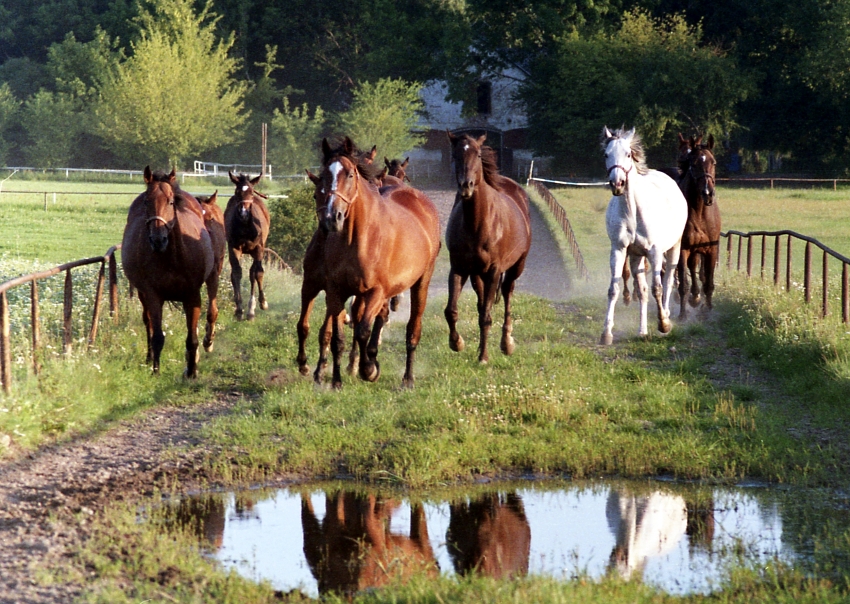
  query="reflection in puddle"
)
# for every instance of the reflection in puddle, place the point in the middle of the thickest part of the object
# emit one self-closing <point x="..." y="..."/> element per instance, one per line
<point x="321" y="539"/>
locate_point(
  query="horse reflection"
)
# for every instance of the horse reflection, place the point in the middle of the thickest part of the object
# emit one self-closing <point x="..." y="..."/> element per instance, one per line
<point x="644" y="526"/>
<point x="490" y="535"/>
<point x="353" y="549"/>
<point x="203" y="517"/>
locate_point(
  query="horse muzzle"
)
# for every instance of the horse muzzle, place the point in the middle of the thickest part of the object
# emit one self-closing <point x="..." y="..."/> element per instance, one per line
<point x="618" y="187"/>
<point x="158" y="241"/>
<point x="466" y="188"/>
<point x="333" y="221"/>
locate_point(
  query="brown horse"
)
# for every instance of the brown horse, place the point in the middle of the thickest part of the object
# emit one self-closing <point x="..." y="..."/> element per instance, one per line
<point x="488" y="236"/>
<point x="377" y="247"/>
<point x="246" y="220"/>
<point x="313" y="266"/>
<point x="701" y="238"/>
<point x="397" y="168"/>
<point x="167" y="254"/>
<point x="214" y="221"/>
<point x="490" y="535"/>
<point x="353" y="549"/>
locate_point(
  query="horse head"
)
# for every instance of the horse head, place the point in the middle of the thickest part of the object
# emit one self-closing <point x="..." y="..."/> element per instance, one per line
<point x="244" y="193"/>
<point x="320" y="198"/>
<point x="620" y="158"/>
<point x="702" y="166"/>
<point x="466" y="155"/>
<point x="397" y="168"/>
<point x="159" y="199"/>
<point x="338" y="185"/>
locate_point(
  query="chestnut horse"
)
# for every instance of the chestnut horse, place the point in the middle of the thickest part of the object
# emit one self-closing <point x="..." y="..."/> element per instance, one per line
<point x="701" y="238"/>
<point x="377" y="247"/>
<point x="214" y="221"/>
<point x="246" y="219"/>
<point x="167" y="254"/>
<point x="488" y="236"/>
<point x="314" y="265"/>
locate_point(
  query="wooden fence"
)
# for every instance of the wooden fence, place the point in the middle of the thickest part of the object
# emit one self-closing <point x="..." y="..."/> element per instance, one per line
<point x="272" y="257"/>
<point x="561" y="217"/>
<point x="807" y="263"/>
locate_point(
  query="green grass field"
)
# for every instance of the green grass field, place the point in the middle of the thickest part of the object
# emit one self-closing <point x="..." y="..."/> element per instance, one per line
<point x="561" y="406"/>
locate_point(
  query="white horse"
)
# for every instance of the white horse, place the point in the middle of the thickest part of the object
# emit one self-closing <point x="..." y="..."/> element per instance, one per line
<point x="645" y="219"/>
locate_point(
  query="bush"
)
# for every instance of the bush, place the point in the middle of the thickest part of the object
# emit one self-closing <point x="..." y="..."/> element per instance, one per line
<point x="293" y="222"/>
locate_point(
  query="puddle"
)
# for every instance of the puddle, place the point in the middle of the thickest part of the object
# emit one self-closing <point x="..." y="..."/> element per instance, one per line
<point x="678" y="538"/>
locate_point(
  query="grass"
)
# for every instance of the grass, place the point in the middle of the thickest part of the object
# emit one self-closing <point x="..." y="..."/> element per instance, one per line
<point x="560" y="406"/>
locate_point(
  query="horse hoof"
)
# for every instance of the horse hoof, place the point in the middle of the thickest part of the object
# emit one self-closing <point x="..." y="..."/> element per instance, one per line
<point x="208" y="347"/>
<point x="303" y="370"/>
<point x="508" y="346"/>
<point x="407" y="383"/>
<point x="264" y="305"/>
<point x="458" y="345"/>
<point x="250" y="316"/>
<point x="238" y="315"/>
<point x="370" y="374"/>
<point x="607" y="339"/>
<point x="694" y="301"/>
<point x="627" y="298"/>
<point x="350" y="369"/>
<point x="190" y="376"/>
<point x="665" y="326"/>
<point x="337" y="385"/>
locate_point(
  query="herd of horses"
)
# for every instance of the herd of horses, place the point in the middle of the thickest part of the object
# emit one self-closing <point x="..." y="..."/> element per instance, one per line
<point x="378" y="237"/>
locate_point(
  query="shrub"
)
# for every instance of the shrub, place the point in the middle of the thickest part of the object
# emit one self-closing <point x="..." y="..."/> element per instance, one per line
<point x="293" y="222"/>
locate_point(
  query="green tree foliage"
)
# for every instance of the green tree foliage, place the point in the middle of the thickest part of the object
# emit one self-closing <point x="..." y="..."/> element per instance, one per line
<point x="52" y="123"/>
<point x="652" y="74"/>
<point x="294" y="137"/>
<point x="175" y="96"/>
<point x="9" y="107"/>
<point x="293" y="222"/>
<point x="384" y="113"/>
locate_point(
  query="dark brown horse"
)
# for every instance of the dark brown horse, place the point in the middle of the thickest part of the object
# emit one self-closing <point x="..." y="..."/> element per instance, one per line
<point x="488" y="236"/>
<point x="377" y="247"/>
<point x="353" y="549"/>
<point x="246" y="220"/>
<point x="490" y="535"/>
<point x="214" y="221"/>
<point x="701" y="238"/>
<point x="167" y="254"/>
<point x="313" y="282"/>
<point x="397" y="168"/>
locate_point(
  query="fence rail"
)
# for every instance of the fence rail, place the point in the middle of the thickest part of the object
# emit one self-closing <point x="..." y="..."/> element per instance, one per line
<point x="271" y="256"/>
<point x="561" y="217"/>
<point x="807" y="264"/>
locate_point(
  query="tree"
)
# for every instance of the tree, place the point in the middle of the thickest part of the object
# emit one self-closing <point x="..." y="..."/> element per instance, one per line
<point x="9" y="106"/>
<point x="384" y="114"/>
<point x="653" y="74"/>
<point x="52" y="124"/>
<point x="294" y="136"/>
<point x="175" y="95"/>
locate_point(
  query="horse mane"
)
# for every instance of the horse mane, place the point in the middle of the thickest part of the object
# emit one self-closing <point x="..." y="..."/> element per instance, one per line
<point x="370" y="171"/>
<point x="638" y="154"/>
<point x="490" y="168"/>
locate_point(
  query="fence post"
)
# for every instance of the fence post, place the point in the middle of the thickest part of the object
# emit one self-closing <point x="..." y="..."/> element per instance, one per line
<point x="749" y="256"/>
<point x="763" y="254"/>
<point x="776" y="261"/>
<point x="788" y="265"/>
<point x="825" y="283"/>
<point x="113" y="286"/>
<point x="96" y="312"/>
<point x="807" y="277"/>
<point x="740" y="240"/>
<point x="728" y="252"/>
<point x="845" y="294"/>
<point x="66" y="309"/>
<point x="35" y="323"/>
<point x="5" y="345"/>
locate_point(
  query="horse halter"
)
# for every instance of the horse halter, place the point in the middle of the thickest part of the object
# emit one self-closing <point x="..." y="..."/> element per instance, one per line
<point x="166" y="223"/>
<point x="348" y="201"/>
<point x="708" y="178"/>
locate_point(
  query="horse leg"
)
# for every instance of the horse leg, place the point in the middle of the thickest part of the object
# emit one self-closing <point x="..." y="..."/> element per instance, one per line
<point x="259" y="273"/>
<point x="337" y="341"/>
<point x="681" y="268"/>
<point x="618" y="260"/>
<point x="372" y="303"/>
<point x="486" y="287"/>
<point x="709" y="263"/>
<point x="146" y="320"/>
<point x="456" y="283"/>
<point x="235" y="257"/>
<point x="192" y="308"/>
<point x="212" y="310"/>
<point x="325" y="332"/>
<point x="381" y="319"/>
<point x="507" y="344"/>
<point x="692" y="268"/>
<point x="255" y="275"/>
<point x="309" y="290"/>
<point x="662" y="288"/>
<point x="638" y="269"/>
<point x="627" y="295"/>
<point x="357" y="308"/>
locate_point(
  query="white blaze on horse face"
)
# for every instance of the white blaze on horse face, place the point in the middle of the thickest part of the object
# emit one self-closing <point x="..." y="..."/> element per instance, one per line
<point x="335" y="168"/>
<point x="244" y="187"/>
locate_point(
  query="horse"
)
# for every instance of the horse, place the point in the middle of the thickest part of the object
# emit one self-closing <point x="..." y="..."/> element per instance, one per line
<point x="247" y="224"/>
<point x="490" y="535"/>
<point x="701" y="237"/>
<point x="214" y="221"/>
<point x="397" y="168"/>
<point x="488" y="236"/>
<point x="377" y="247"/>
<point x="645" y="219"/>
<point x="353" y="547"/>
<point x="167" y="255"/>
<point x="313" y="267"/>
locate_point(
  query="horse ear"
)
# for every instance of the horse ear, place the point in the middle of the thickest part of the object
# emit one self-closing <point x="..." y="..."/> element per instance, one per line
<point x="383" y="173"/>
<point x="710" y="142"/>
<point x="148" y="175"/>
<point x="213" y="198"/>
<point x="406" y="161"/>
<point x="387" y="162"/>
<point x="697" y="141"/>
<point x="254" y="181"/>
<point x="606" y="134"/>
<point x="482" y="139"/>
<point x="373" y="153"/>
<point x="630" y="134"/>
<point x="682" y="140"/>
<point x="233" y="179"/>
<point x="316" y="180"/>
<point x="348" y="145"/>
<point x="172" y="175"/>
<point x="326" y="148"/>
<point x="452" y="137"/>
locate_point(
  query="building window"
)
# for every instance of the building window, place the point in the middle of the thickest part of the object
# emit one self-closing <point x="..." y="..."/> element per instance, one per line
<point x="484" y="94"/>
